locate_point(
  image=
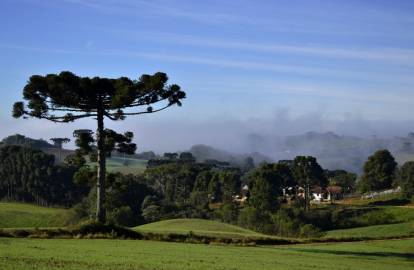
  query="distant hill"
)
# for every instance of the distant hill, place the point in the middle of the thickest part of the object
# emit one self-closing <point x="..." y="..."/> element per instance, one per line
<point x="22" y="140"/>
<point x="204" y="152"/>
<point x="333" y="151"/>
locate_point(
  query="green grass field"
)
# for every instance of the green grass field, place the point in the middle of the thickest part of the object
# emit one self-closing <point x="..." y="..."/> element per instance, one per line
<point x="197" y="226"/>
<point x="75" y="254"/>
<point x="116" y="164"/>
<point x="403" y="226"/>
<point x="19" y="215"/>
<point x="377" y="231"/>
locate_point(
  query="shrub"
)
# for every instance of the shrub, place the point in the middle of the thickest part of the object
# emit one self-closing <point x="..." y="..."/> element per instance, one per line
<point x="229" y="213"/>
<point x="122" y="216"/>
<point x="284" y="224"/>
<point x="309" y="231"/>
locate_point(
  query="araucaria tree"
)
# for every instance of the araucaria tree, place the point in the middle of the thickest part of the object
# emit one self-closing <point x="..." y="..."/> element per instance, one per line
<point x="66" y="97"/>
<point x="308" y="173"/>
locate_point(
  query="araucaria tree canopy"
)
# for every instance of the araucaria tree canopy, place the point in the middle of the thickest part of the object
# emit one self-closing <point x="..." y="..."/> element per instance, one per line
<point x="66" y="97"/>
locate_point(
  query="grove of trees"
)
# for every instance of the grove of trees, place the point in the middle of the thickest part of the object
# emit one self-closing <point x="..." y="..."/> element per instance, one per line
<point x="30" y="175"/>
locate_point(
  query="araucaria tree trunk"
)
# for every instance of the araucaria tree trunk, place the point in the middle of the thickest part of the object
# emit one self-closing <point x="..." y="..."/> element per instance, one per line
<point x="100" y="184"/>
<point x="307" y="199"/>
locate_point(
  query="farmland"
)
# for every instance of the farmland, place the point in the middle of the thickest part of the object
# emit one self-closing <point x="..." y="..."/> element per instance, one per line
<point x="19" y="215"/>
<point x="25" y="254"/>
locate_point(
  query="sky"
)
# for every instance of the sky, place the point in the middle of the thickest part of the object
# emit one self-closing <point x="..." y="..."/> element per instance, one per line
<point x="248" y="67"/>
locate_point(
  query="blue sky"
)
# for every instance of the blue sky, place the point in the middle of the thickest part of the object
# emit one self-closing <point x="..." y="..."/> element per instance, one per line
<point x="240" y="62"/>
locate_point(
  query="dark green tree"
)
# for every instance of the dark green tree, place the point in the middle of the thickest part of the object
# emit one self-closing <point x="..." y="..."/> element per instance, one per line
<point x="66" y="97"/>
<point x="121" y="143"/>
<point x="29" y="175"/>
<point x="406" y="179"/>
<point x="174" y="181"/>
<point x="379" y="172"/>
<point x="344" y="179"/>
<point x="248" y="164"/>
<point x="307" y="173"/>
<point x="170" y="156"/>
<point x="58" y="142"/>
<point x="202" y="181"/>
<point x="230" y="184"/>
<point x="265" y="183"/>
<point x="187" y="157"/>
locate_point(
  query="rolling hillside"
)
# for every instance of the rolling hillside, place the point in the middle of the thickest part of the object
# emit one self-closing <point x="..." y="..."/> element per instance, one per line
<point x="116" y="164"/>
<point x="19" y="215"/>
<point x="197" y="226"/>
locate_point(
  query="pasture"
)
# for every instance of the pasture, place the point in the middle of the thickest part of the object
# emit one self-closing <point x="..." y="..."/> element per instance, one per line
<point x="197" y="226"/>
<point x="20" y="215"/>
<point x="76" y="254"/>
<point x="117" y="164"/>
<point x="405" y="229"/>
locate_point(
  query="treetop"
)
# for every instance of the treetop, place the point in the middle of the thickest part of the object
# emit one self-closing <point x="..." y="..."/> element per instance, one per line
<point x="65" y="97"/>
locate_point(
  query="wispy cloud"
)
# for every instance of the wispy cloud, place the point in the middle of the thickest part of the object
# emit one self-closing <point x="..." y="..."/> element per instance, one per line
<point x="395" y="55"/>
<point x="230" y="63"/>
<point x="351" y="94"/>
<point x="140" y="7"/>
<point x="321" y="23"/>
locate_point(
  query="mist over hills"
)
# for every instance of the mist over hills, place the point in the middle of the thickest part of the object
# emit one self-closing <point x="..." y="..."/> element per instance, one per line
<point x="333" y="151"/>
<point x="204" y="152"/>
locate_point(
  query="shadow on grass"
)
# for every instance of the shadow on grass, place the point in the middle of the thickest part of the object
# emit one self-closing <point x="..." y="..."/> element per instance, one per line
<point x="407" y="256"/>
<point x="392" y="202"/>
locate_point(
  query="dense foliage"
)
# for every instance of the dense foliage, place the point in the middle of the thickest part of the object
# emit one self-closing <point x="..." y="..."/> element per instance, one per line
<point x="406" y="179"/>
<point x="184" y="188"/>
<point x="30" y="175"/>
<point x="379" y="172"/>
<point x="124" y="197"/>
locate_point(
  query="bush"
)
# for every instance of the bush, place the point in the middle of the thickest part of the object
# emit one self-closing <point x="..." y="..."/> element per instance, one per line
<point x="99" y="230"/>
<point x="122" y="216"/>
<point x="253" y="219"/>
<point x="229" y="213"/>
<point x="309" y="231"/>
<point x="284" y="224"/>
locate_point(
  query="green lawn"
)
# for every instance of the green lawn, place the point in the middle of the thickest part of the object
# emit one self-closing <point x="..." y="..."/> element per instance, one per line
<point x="19" y="215"/>
<point x="197" y="226"/>
<point x="75" y="254"/>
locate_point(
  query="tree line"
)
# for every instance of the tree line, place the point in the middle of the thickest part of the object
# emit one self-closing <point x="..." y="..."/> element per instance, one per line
<point x="166" y="189"/>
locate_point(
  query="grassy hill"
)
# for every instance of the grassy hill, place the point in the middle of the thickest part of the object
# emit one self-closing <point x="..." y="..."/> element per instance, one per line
<point x="197" y="226"/>
<point x="378" y="231"/>
<point x="19" y="215"/>
<point x="116" y="164"/>
<point x="400" y="224"/>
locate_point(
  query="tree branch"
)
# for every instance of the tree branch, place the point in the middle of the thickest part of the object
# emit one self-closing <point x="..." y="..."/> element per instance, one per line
<point x="145" y="112"/>
<point x="66" y="119"/>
